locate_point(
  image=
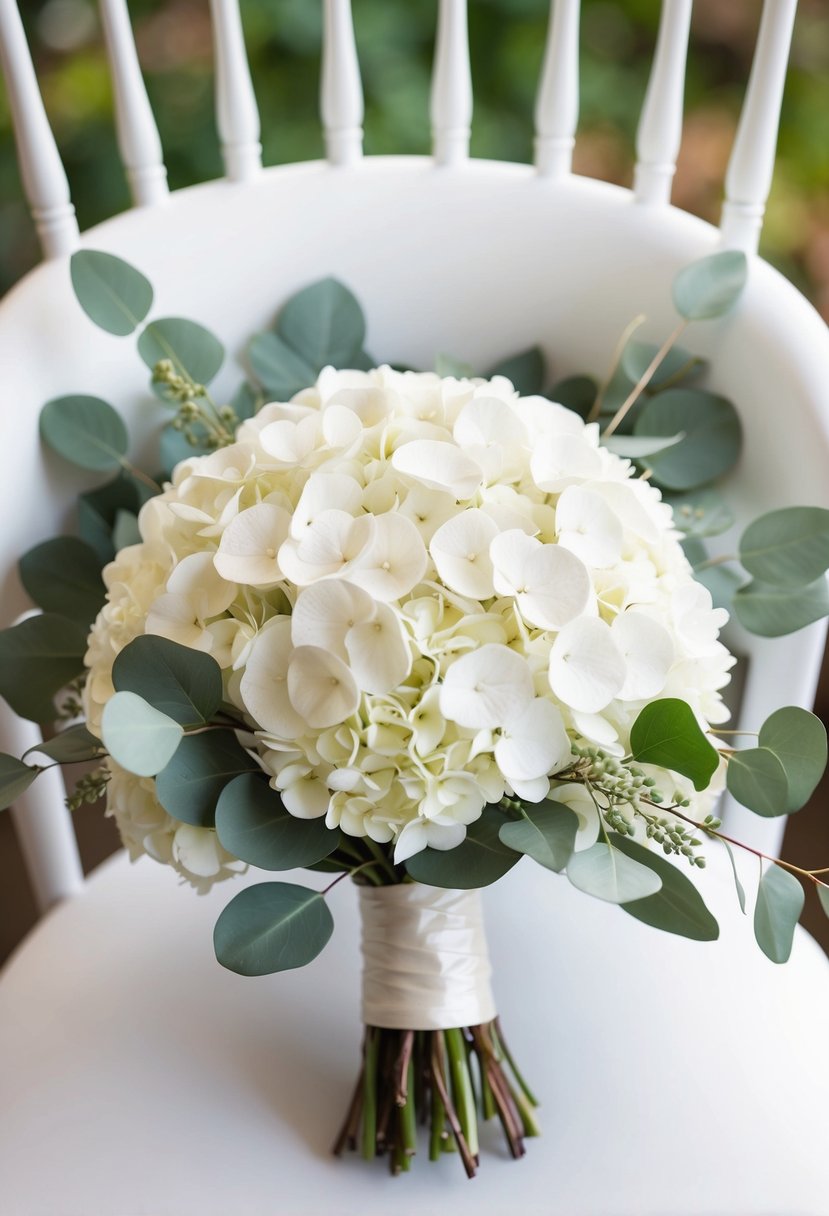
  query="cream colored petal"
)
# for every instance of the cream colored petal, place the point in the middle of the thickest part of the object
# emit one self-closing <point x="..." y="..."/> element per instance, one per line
<point x="442" y="466"/>
<point x="586" y="669"/>
<point x="460" y="551"/>
<point x="378" y="652"/>
<point x="249" y="545"/>
<point x="321" y="688"/>
<point x="264" y="686"/>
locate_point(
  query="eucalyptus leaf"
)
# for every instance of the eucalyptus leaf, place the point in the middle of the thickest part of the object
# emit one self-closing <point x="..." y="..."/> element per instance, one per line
<point x="823" y="896"/>
<point x="607" y="873"/>
<point x="183" y="683"/>
<point x="86" y="431"/>
<point x="667" y="734"/>
<point x="174" y="446"/>
<point x="711" y="286"/>
<point x="741" y="895"/>
<point x="324" y="324"/>
<point x="779" y="904"/>
<point x="126" y="531"/>
<point x="137" y="736"/>
<point x="701" y="512"/>
<point x="99" y="509"/>
<point x="772" y="612"/>
<point x="194" y="351"/>
<point x="546" y="832"/>
<point x="798" y="740"/>
<point x="678" y="906"/>
<point x="190" y="785"/>
<point x="525" y="371"/>
<point x="273" y="926"/>
<point x="15" y="779"/>
<point x="113" y="294"/>
<point x="677" y="365"/>
<point x="246" y="401"/>
<point x="480" y="860"/>
<point x="39" y="657"/>
<point x="787" y="548"/>
<point x="253" y="824"/>
<point x="448" y="365"/>
<point x="635" y="447"/>
<point x="722" y="581"/>
<point x="281" y="371"/>
<point x="578" y="393"/>
<point x="712" y="442"/>
<point x="64" y="576"/>
<point x="757" y="779"/>
<point x="70" y="746"/>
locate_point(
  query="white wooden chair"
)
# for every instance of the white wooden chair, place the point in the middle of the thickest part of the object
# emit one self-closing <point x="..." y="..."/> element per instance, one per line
<point x="138" y="1077"/>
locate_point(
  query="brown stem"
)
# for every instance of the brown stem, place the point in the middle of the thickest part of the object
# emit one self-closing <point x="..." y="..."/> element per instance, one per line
<point x="451" y="1113"/>
<point x="401" y="1067"/>
<point x="508" y="1112"/>
<point x="348" y="1132"/>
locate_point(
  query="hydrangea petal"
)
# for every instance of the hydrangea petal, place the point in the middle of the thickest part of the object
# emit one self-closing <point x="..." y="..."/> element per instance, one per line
<point x="324" y="492"/>
<point x="561" y="460"/>
<point x="196" y="579"/>
<point x="588" y="527"/>
<point x="249" y="545"/>
<point x="442" y="466"/>
<point x="586" y="669"/>
<point x="321" y="688"/>
<point x="486" y="688"/>
<point x="393" y="561"/>
<point x="534" y="743"/>
<point x="460" y="551"/>
<point x="325" y="612"/>
<point x="378" y="652"/>
<point x="648" y="651"/>
<point x="557" y="588"/>
<point x="264" y="687"/>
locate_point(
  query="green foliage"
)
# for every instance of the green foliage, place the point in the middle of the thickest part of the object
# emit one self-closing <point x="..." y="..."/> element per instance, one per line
<point x="798" y="740"/>
<point x="710" y="287"/>
<point x="281" y="370"/>
<point x="70" y="746"/>
<point x="139" y="737"/>
<point x="15" y="779"/>
<point x="712" y="437"/>
<point x="757" y="779"/>
<point x="666" y="733"/>
<point x="193" y="350"/>
<point x="273" y="926"/>
<point x="480" y="860"/>
<point x="39" y="657"/>
<point x="779" y="904"/>
<point x="677" y="907"/>
<point x="787" y="548"/>
<point x="701" y="513"/>
<point x="546" y="832"/>
<point x="113" y="294"/>
<point x="607" y="873"/>
<point x="823" y="896"/>
<point x="448" y="365"/>
<point x="86" y="431"/>
<point x="677" y="365"/>
<point x="722" y="581"/>
<point x="190" y="785"/>
<point x="772" y="611"/>
<point x="99" y="511"/>
<point x="636" y="447"/>
<point x="741" y="895"/>
<point x="183" y="683"/>
<point x="324" y="324"/>
<point x="253" y="825"/>
<point x="578" y="393"/>
<point x="525" y="371"/>
<point x="64" y="576"/>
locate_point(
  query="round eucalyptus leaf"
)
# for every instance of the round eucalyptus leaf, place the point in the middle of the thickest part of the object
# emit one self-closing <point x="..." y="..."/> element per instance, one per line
<point x="636" y="447"/>
<point x="70" y="746"/>
<point x="701" y="512"/>
<point x="190" y="785"/>
<point x="677" y="365"/>
<point x="823" y="896"/>
<point x="281" y="371"/>
<point x="246" y="401"/>
<point x="194" y="351"/>
<point x="723" y="582"/>
<point x="253" y="824"/>
<point x="480" y="860"/>
<point x="667" y="734"/>
<point x="787" y="548"/>
<point x="324" y="324"/>
<point x="175" y="447"/>
<point x="771" y="611"/>
<point x="99" y="509"/>
<point x="137" y="736"/>
<point x="273" y="926"/>
<point x="85" y="431"/>
<point x="546" y="833"/>
<point x="578" y="393"/>
<point x="757" y="779"/>
<point x="182" y="683"/>
<point x="39" y="657"/>
<point x="607" y="873"/>
<point x="64" y="575"/>
<point x="711" y="286"/>
<point x="113" y="294"/>
<point x="448" y="365"/>
<point x="779" y="904"/>
<point x="525" y="371"/>
<point x="678" y="906"/>
<point x="712" y="442"/>
<point x="798" y="740"/>
<point x="15" y="779"/>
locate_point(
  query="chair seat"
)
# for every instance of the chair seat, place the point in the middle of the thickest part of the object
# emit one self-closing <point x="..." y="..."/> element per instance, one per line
<point x="140" y="1079"/>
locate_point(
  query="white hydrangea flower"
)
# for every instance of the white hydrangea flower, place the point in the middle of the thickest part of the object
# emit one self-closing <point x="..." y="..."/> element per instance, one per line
<point x="421" y="592"/>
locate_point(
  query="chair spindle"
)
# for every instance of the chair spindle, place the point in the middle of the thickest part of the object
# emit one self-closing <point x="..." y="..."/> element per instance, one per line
<point x="237" y="115"/>
<point x="341" y="91"/>
<point x="138" y="139"/>
<point x="557" y="104"/>
<point x="451" y="99"/>
<point x="750" y="168"/>
<point x="44" y="178"/>
<point x="660" y="126"/>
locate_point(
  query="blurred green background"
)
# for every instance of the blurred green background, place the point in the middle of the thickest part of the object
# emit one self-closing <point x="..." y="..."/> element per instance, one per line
<point x="395" y="42"/>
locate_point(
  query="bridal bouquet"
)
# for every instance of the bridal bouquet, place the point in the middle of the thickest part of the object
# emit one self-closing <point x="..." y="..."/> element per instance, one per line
<point x="412" y="627"/>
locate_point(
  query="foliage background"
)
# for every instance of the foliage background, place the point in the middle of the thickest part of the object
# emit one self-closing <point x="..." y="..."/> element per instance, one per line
<point x="395" y="44"/>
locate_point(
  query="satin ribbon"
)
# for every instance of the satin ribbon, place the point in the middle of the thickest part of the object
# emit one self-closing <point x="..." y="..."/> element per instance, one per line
<point x="425" y="958"/>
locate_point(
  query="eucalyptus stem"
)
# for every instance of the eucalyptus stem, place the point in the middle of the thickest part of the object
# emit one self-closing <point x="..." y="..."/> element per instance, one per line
<point x="644" y="380"/>
<point x="627" y="333"/>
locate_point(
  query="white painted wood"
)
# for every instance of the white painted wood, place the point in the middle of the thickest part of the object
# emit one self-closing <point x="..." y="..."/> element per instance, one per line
<point x="138" y="139"/>
<point x="237" y="115"/>
<point x="660" y="125"/>
<point x="341" y="92"/>
<point x="557" y="104"/>
<point x="44" y="179"/>
<point x="451" y="97"/>
<point x="751" y="166"/>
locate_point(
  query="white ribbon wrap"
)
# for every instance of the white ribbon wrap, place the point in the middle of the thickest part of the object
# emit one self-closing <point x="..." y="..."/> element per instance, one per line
<point x="425" y="958"/>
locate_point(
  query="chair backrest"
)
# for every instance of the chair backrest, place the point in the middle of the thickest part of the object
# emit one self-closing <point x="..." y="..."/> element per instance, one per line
<point x="475" y="257"/>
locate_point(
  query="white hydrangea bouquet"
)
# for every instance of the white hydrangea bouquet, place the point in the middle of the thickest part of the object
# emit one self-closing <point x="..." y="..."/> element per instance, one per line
<point x="412" y="627"/>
